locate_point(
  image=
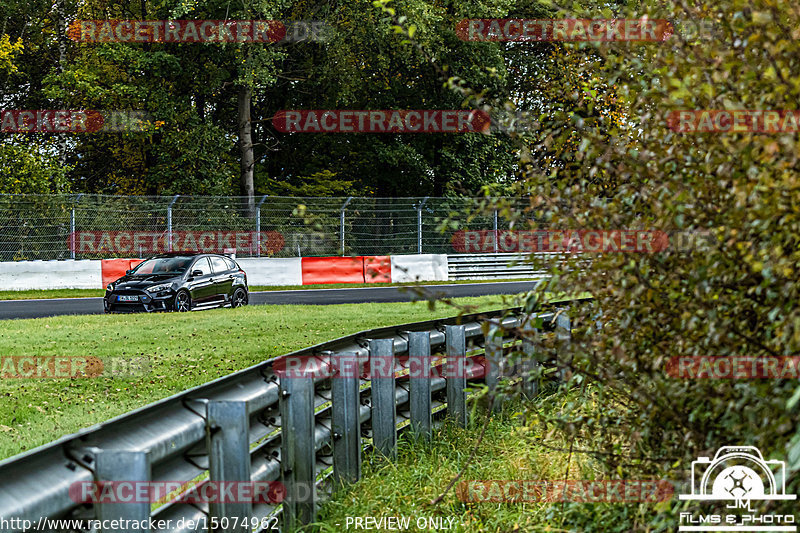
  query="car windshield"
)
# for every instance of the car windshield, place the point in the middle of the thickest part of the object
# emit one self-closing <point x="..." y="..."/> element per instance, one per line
<point x="163" y="265"/>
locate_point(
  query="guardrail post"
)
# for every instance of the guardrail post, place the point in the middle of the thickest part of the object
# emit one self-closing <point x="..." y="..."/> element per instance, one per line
<point x="530" y="378"/>
<point x="381" y="368"/>
<point x="493" y="351"/>
<point x="456" y="374"/>
<point x="563" y="334"/>
<point x="345" y="427"/>
<point x="130" y="466"/>
<point x="419" y="364"/>
<point x="298" y="457"/>
<point x="227" y="442"/>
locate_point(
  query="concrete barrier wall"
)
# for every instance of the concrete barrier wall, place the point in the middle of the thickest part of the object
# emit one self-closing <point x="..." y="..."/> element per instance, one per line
<point x="272" y="271"/>
<point x="23" y="275"/>
<point x="90" y="274"/>
<point x="423" y="267"/>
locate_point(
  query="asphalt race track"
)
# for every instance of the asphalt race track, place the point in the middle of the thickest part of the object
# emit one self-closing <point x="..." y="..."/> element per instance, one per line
<point x="94" y="306"/>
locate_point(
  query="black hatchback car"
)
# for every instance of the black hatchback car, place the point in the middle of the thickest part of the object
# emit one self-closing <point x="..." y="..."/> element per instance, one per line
<point x="178" y="282"/>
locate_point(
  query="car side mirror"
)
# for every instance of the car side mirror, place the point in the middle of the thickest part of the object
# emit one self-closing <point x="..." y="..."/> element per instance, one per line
<point x="127" y="272"/>
<point x="196" y="273"/>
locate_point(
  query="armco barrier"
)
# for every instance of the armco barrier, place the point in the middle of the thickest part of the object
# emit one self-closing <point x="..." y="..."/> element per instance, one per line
<point x="24" y="275"/>
<point x="498" y="266"/>
<point x="232" y="429"/>
<point x="92" y="274"/>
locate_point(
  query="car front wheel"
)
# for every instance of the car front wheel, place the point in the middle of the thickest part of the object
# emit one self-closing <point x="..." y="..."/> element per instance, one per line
<point x="183" y="302"/>
<point x="239" y="298"/>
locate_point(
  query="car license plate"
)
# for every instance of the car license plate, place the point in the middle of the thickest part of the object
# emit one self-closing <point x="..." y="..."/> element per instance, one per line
<point x="127" y="298"/>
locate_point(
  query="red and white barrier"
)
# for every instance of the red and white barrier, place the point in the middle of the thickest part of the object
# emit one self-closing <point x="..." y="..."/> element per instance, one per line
<point x="113" y="269"/>
<point x="22" y="275"/>
<point x="91" y="274"/>
<point x="359" y="269"/>
<point x="269" y="271"/>
<point x="423" y="267"/>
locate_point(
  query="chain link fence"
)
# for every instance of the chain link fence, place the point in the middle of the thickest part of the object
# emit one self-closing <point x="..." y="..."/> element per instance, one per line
<point x="82" y="226"/>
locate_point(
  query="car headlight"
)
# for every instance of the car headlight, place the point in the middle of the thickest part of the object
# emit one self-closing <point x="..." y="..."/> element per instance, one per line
<point x="160" y="288"/>
<point x="110" y="287"/>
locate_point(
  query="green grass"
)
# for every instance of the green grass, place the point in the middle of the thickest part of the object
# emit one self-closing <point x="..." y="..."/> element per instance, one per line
<point x="510" y="450"/>
<point x="185" y="350"/>
<point x="88" y="293"/>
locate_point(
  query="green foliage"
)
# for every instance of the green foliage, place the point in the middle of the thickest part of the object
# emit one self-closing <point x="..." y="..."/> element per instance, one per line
<point x="23" y="170"/>
<point x="8" y="51"/>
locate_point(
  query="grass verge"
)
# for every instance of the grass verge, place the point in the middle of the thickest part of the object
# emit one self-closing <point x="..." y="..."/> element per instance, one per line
<point x="184" y="350"/>
<point x="510" y="450"/>
<point x="518" y="445"/>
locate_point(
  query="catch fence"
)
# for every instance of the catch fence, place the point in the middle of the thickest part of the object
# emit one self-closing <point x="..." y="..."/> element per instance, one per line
<point x="82" y="226"/>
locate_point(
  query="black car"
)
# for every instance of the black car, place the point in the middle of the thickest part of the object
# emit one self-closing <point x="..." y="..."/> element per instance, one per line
<point x="178" y="282"/>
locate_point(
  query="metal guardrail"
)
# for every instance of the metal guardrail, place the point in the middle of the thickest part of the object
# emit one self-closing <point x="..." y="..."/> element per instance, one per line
<point x="235" y="428"/>
<point x="499" y="266"/>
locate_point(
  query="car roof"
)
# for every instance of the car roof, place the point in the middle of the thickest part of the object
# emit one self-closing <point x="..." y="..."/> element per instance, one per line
<point x="189" y="254"/>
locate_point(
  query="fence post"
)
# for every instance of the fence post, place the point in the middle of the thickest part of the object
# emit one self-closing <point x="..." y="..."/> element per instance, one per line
<point x="72" y="242"/>
<point x="530" y="378"/>
<point x="169" y="222"/>
<point x="298" y="457"/>
<point x="381" y="368"/>
<point x="130" y="466"/>
<point x="419" y="364"/>
<point x="228" y="446"/>
<point x="258" y="226"/>
<point x="341" y="221"/>
<point x="456" y="374"/>
<point x="493" y="351"/>
<point x="419" y="224"/>
<point x="496" y="235"/>
<point x="563" y="334"/>
<point x="345" y="427"/>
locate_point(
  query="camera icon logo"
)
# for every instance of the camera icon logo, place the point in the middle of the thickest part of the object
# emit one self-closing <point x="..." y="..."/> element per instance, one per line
<point x="738" y="473"/>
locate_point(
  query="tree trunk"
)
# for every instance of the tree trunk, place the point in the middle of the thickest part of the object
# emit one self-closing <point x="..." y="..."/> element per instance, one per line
<point x="246" y="150"/>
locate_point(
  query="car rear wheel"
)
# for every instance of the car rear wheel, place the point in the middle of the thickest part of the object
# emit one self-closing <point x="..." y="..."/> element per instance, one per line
<point x="183" y="302"/>
<point x="239" y="298"/>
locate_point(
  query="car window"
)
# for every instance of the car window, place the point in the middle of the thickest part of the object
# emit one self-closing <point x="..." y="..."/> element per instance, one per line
<point x="202" y="264"/>
<point x="231" y="264"/>
<point x="161" y="265"/>
<point x="218" y="264"/>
